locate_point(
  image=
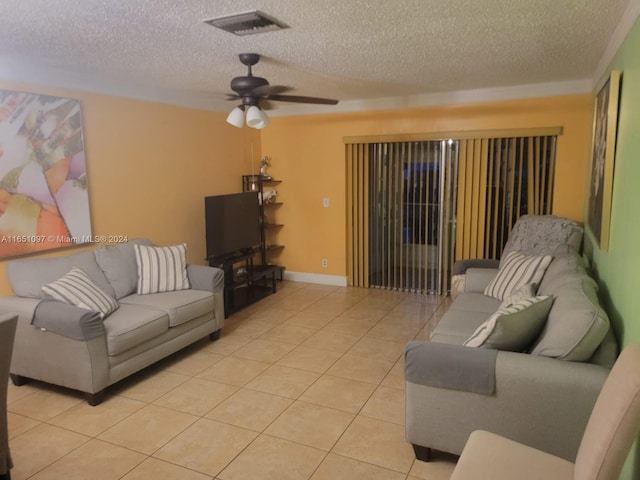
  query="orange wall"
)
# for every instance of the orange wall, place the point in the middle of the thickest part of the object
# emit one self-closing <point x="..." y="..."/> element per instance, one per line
<point x="150" y="165"/>
<point x="307" y="154"/>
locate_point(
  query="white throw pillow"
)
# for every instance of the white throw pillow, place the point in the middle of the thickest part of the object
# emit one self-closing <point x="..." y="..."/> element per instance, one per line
<point x="161" y="269"/>
<point x="513" y="328"/>
<point x="515" y="271"/>
<point x="77" y="288"/>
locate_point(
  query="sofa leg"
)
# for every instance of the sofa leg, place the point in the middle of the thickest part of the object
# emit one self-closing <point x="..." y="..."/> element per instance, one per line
<point x="94" y="399"/>
<point x="18" y="380"/>
<point x="422" y="453"/>
<point x="215" y="335"/>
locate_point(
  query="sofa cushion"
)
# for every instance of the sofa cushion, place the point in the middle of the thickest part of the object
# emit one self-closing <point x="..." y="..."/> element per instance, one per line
<point x="513" y="328"/>
<point x="523" y="293"/>
<point x="161" y="269"/>
<point x="77" y="288"/>
<point x="576" y="324"/>
<point x="181" y="306"/>
<point x="567" y="266"/>
<point x="118" y="262"/>
<point x="475" y="302"/>
<point x="27" y="276"/>
<point x="459" y="323"/>
<point x="132" y="325"/>
<point x="515" y="271"/>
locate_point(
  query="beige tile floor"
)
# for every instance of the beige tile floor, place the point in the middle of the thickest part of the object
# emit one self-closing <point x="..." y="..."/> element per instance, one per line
<point x="306" y="384"/>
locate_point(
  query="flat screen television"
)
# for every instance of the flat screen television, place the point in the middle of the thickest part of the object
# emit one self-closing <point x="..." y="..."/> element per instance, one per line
<point x="232" y="223"/>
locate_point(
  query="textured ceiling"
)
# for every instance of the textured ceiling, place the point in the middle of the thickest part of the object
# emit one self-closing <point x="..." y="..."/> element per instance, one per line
<point x="354" y="50"/>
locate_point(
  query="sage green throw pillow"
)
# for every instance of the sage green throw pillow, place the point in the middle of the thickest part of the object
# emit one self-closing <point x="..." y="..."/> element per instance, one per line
<point x="513" y="328"/>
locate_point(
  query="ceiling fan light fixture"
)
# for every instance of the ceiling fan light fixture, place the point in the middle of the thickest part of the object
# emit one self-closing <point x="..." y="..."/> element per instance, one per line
<point x="254" y="119"/>
<point x="264" y="118"/>
<point x="236" y="117"/>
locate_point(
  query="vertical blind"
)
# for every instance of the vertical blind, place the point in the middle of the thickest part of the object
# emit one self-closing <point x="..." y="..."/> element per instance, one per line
<point x="415" y="204"/>
<point x="500" y="179"/>
<point x="405" y="195"/>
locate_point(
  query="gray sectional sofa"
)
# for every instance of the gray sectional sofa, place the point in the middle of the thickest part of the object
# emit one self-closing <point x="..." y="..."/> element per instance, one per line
<point x="73" y="347"/>
<point x="540" y="395"/>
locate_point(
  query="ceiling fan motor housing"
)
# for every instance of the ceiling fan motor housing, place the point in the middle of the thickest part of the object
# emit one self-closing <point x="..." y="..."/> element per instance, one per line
<point x="242" y="85"/>
<point x="252" y="89"/>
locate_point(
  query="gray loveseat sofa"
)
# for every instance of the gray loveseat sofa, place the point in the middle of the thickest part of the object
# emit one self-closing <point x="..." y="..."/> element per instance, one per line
<point x="541" y="395"/>
<point x="73" y="347"/>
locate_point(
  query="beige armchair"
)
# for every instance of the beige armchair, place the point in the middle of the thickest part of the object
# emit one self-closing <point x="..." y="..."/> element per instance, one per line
<point x="8" y="323"/>
<point x="613" y="426"/>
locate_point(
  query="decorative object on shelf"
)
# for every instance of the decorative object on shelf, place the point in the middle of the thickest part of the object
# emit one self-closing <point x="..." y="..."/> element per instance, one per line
<point x="603" y="157"/>
<point x="268" y="196"/>
<point x="264" y="164"/>
<point x="44" y="202"/>
<point x="269" y="248"/>
<point x="252" y="90"/>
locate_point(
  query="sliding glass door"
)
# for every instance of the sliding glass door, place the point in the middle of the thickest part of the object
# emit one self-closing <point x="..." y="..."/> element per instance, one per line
<point x="413" y="207"/>
<point x="409" y="214"/>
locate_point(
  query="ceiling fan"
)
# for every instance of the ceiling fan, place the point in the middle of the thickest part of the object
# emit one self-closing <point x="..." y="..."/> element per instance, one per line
<point x="254" y="91"/>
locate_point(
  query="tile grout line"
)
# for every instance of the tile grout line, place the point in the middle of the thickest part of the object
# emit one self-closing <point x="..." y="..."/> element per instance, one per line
<point x="192" y="375"/>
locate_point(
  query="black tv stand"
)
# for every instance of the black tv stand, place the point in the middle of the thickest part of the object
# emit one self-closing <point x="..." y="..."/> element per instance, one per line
<point x="246" y="283"/>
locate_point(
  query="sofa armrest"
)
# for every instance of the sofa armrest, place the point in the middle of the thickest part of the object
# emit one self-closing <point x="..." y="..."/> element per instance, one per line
<point x="481" y="271"/>
<point x="68" y="320"/>
<point x="460" y="267"/>
<point x="58" y="317"/>
<point x="476" y="279"/>
<point x="54" y="358"/>
<point x="539" y="401"/>
<point x="210" y="279"/>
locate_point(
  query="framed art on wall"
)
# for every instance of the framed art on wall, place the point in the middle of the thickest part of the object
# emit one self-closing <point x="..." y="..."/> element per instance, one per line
<point x="603" y="159"/>
<point x="44" y="203"/>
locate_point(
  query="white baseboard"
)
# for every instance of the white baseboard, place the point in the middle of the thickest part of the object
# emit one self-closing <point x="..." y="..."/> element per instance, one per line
<point x="319" y="278"/>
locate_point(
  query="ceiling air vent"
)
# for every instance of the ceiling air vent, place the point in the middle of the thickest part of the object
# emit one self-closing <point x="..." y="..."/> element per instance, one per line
<point x="247" y="23"/>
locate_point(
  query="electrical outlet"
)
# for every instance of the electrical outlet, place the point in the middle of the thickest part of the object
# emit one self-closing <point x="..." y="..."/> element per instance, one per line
<point x="324" y="263"/>
<point x="325" y="202"/>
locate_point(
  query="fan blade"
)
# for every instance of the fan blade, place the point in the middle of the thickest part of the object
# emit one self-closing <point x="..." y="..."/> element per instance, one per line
<point x="266" y="105"/>
<point x="232" y="96"/>
<point x="268" y="90"/>
<point x="298" y="99"/>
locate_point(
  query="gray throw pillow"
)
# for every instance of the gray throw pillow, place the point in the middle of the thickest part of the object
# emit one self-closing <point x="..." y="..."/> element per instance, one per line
<point x="513" y="328"/>
<point x="577" y="323"/>
<point x="118" y="262"/>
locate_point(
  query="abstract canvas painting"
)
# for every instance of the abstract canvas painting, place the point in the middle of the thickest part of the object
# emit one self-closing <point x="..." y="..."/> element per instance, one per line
<point x="44" y="203"/>
<point x="602" y="160"/>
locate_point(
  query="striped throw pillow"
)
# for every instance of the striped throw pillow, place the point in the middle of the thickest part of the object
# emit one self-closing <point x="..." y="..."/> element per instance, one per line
<point x="514" y="328"/>
<point x="77" y="288"/>
<point x="515" y="271"/>
<point x="161" y="269"/>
